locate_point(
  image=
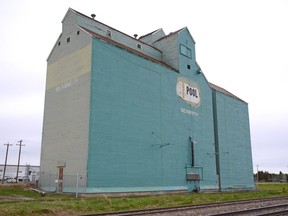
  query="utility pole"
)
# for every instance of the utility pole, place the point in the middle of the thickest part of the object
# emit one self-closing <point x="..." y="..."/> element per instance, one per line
<point x="7" y="149"/>
<point x="20" y="145"/>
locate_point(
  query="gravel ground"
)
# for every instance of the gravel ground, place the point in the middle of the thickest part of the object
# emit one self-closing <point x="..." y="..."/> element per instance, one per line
<point x="221" y="209"/>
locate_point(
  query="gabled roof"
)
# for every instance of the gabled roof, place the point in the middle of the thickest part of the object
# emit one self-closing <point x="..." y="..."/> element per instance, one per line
<point x="77" y="12"/>
<point x="131" y="50"/>
<point x="169" y="35"/>
<point x="122" y="46"/>
<point x="54" y="47"/>
<point x="224" y="91"/>
<point x="174" y="33"/>
<point x="150" y="33"/>
<point x="109" y="27"/>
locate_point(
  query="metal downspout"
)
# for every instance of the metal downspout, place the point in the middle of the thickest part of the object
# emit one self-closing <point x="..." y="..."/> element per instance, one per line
<point x="216" y="138"/>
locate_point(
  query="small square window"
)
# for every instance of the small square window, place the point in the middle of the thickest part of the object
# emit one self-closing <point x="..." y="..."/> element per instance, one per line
<point x="59" y="43"/>
<point x="78" y="32"/>
<point x="188" y="67"/>
<point x="68" y="39"/>
<point x="139" y="46"/>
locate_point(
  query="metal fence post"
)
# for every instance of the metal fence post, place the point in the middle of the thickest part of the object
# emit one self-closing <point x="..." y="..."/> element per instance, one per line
<point x="49" y="181"/>
<point x="77" y="184"/>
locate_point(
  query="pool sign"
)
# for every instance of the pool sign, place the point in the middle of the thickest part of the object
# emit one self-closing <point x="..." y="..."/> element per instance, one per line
<point x="188" y="91"/>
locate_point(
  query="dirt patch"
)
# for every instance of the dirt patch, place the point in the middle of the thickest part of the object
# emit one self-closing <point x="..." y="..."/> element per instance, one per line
<point x="17" y="185"/>
<point x="14" y="198"/>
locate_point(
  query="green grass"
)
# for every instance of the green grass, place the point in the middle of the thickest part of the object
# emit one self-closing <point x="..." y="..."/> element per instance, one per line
<point x="27" y="202"/>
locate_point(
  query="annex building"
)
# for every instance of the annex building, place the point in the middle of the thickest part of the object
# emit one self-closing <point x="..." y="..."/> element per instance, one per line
<point x="25" y="172"/>
<point x="126" y="114"/>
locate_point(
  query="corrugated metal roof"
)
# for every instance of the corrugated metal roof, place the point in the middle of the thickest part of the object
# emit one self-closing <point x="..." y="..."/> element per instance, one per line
<point x="224" y="91"/>
<point x="112" y="28"/>
<point x="120" y="45"/>
<point x="169" y="35"/>
<point x="149" y="34"/>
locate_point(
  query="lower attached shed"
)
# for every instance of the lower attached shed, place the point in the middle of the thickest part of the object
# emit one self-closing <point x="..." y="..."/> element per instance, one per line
<point x="232" y="140"/>
<point x="117" y="119"/>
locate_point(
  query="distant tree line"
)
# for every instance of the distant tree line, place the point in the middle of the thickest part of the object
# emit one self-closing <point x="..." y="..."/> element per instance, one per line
<point x="270" y="177"/>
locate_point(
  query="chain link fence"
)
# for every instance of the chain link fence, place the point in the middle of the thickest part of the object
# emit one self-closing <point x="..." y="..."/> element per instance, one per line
<point x="74" y="183"/>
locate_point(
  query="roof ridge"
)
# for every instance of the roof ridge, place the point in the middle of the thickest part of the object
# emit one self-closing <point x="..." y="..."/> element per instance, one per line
<point x="149" y="33"/>
<point x="224" y="91"/>
<point x="170" y="34"/>
<point x="114" y="29"/>
<point x="115" y="43"/>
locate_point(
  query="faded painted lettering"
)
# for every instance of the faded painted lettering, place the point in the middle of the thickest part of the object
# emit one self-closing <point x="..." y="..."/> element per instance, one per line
<point x="66" y="84"/>
<point x="189" y="112"/>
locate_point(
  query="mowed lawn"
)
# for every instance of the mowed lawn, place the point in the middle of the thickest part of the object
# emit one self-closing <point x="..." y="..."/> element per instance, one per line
<point x="21" y="200"/>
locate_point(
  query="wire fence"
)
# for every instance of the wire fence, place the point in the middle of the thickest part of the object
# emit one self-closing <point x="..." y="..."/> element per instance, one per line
<point x="67" y="183"/>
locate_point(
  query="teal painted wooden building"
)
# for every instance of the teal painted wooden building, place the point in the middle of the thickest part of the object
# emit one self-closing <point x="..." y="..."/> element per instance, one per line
<point x="127" y="114"/>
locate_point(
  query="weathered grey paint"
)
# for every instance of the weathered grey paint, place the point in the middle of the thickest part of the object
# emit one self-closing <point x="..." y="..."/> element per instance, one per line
<point x="152" y="37"/>
<point x="170" y="49"/>
<point x="77" y="40"/>
<point x="102" y="29"/>
<point x="66" y="115"/>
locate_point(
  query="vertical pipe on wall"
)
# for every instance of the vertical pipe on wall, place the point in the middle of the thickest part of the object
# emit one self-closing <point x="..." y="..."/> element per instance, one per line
<point x="192" y="152"/>
<point x="77" y="184"/>
<point x="161" y="128"/>
<point x="216" y="138"/>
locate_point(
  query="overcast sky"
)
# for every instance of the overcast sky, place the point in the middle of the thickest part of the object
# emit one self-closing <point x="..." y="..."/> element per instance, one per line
<point x="241" y="45"/>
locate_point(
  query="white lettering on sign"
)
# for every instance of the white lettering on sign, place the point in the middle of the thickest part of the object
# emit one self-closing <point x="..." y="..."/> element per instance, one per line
<point x="189" y="112"/>
<point x="188" y="91"/>
<point x="66" y="84"/>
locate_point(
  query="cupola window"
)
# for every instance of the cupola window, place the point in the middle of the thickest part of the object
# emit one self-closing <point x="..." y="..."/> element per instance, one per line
<point x="185" y="51"/>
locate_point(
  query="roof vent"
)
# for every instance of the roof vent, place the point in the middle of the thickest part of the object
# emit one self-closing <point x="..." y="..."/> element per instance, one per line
<point x="93" y="16"/>
<point x="135" y="36"/>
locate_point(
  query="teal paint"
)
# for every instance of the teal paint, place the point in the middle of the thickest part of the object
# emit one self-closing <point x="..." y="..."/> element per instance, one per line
<point x="138" y="134"/>
<point x="125" y="120"/>
<point x="144" y="116"/>
<point x="217" y="155"/>
<point x="235" y="156"/>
